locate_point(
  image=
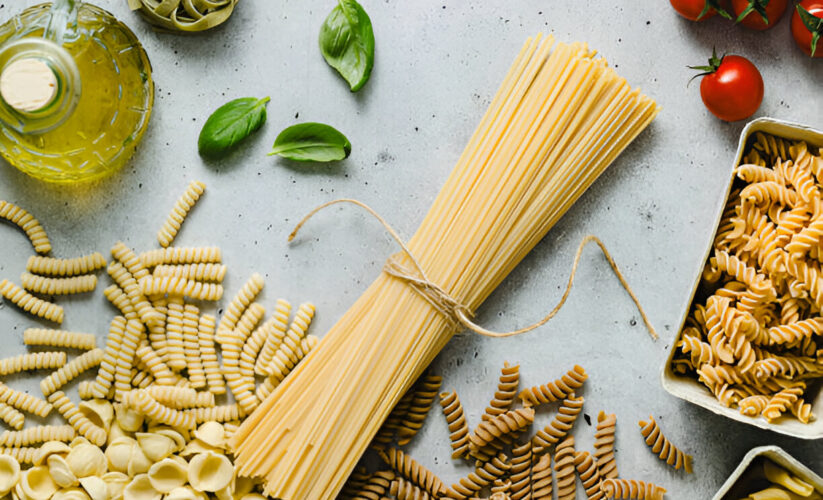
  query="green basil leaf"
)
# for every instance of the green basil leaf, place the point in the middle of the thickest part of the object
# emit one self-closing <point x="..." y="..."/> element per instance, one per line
<point x="347" y="42"/>
<point x="230" y="124"/>
<point x="312" y="142"/>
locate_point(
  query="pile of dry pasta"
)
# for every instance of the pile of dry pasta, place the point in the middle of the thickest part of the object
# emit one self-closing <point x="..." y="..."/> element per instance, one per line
<point x="509" y="464"/>
<point x="150" y="423"/>
<point x="752" y="335"/>
<point x="560" y="118"/>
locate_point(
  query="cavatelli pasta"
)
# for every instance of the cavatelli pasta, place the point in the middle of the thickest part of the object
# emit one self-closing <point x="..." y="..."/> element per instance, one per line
<point x="197" y="272"/>
<point x="221" y="413"/>
<point x="160" y="371"/>
<point x="58" y="286"/>
<point x="175" y="347"/>
<point x="506" y="392"/>
<point x="23" y="454"/>
<point x="71" y="370"/>
<point x="604" y="445"/>
<point x="191" y="347"/>
<point x="664" y="448"/>
<point x="482" y="476"/>
<point x="276" y="332"/>
<point x="554" y="391"/>
<point x="26" y="222"/>
<point x="560" y="426"/>
<point x="405" y="466"/>
<point x="49" y="266"/>
<point x="521" y="471"/>
<point x="32" y="361"/>
<point x="108" y="365"/>
<point x="38" y="434"/>
<point x="542" y="479"/>
<point x="179" y="212"/>
<point x="180" y="255"/>
<point x="424" y="395"/>
<point x="208" y="354"/>
<point x="564" y="470"/>
<point x="120" y="300"/>
<point x="238" y="305"/>
<point x="24" y="402"/>
<point x="77" y="420"/>
<point x="30" y="303"/>
<point x="59" y="338"/>
<point x="632" y="489"/>
<point x="456" y="420"/>
<point x="181" y="287"/>
<point x="143" y="403"/>
<point x="130" y="260"/>
<point x="589" y="476"/>
<point x="506" y="423"/>
<point x="12" y="417"/>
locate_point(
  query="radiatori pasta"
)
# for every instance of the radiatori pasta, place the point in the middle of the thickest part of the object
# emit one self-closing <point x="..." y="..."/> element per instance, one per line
<point x="30" y="303"/>
<point x="26" y="222"/>
<point x="50" y="266"/>
<point x="32" y="361"/>
<point x="59" y="338"/>
<point x="58" y="286"/>
<point x="179" y="212"/>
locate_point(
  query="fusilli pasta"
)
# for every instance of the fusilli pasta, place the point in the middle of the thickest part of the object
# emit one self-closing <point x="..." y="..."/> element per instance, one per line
<point x="179" y="212"/>
<point x="506" y="392"/>
<point x="32" y="361"/>
<point x="180" y="255"/>
<point x="49" y="266"/>
<point x="456" y="420"/>
<point x="30" y="303"/>
<point x="181" y="287"/>
<point x="26" y="222"/>
<point x="564" y="470"/>
<point x="24" y="402"/>
<point x="38" y="434"/>
<point x="71" y="370"/>
<point x="59" y="338"/>
<point x="554" y="391"/>
<point x="80" y="423"/>
<point x="58" y="286"/>
<point x="604" y="445"/>
<point x="632" y="489"/>
<point x="589" y="476"/>
<point x="407" y="467"/>
<point x="661" y="446"/>
<point x="198" y="272"/>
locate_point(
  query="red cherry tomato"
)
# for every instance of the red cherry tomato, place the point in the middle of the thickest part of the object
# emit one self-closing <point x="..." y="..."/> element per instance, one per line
<point x="698" y="10"/>
<point x="759" y="14"/>
<point x="807" y="27"/>
<point x="731" y="88"/>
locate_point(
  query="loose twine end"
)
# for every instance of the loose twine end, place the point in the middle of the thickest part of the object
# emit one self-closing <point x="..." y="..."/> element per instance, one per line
<point x="457" y="313"/>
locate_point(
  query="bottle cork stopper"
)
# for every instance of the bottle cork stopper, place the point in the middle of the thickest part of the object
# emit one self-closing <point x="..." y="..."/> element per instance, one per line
<point x="28" y="84"/>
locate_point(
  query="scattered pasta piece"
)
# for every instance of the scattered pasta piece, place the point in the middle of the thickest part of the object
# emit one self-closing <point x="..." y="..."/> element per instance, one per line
<point x="178" y="255"/>
<point x="564" y="470"/>
<point x="482" y="476"/>
<point x="108" y="365"/>
<point x="197" y="272"/>
<point x="179" y="212"/>
<point x="208" y="354"/>
<point x="191" y="347"/>
<point x="59" y="338"/>
<point x="181" y="287"/>
<point x="141" y="402"/>
<point x="23" y="454"/>
<point x="32" y="361"/>
<point x="631" y="489"/>
<point x="24" y="402"/>
<point x="238" y="306"/>
<point x="275" y="334"/>
<point x="589" y="476"/>
<point x="521" y="471"/>
<point x="26" y="222"/>
<point x="424" y="395"/>
<point x="456" y="420"/>
<point x="506" y="392"/>
<point x="70" y="371"/>
<point x="76" y="420"/>
<point x="557" y="390"/>
<point x="58" y="286"/>
<point x="660" y="445"/>
<point x="506" y="423"/>
<point x="407" y="467"/>
<point x="12" y="417"/>
<point x="560" y="425"/>
<point x="30" y="303"/>
<point x="542" y="479"/>
<point x="39" y="434"/>
<point x="125" y="358"/>
<point x="174" y="335"/>
<point x="604" y="445"/>
<point x="49" y="266"/>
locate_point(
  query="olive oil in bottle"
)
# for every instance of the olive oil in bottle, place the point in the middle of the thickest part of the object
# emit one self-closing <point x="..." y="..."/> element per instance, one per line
<point x="76" y="92"/>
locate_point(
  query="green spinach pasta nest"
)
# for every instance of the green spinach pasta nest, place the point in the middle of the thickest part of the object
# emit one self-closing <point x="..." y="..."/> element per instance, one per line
<point x="185" y="15"/>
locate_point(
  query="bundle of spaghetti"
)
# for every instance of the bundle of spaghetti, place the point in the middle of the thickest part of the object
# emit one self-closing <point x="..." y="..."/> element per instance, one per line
<point x="559" y="119"/>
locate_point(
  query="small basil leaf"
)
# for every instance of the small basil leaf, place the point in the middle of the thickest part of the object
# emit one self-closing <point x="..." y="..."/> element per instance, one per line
<point x="230" y="124"/>
<point x="312" y="142"/>
<point x="347" y="42"/>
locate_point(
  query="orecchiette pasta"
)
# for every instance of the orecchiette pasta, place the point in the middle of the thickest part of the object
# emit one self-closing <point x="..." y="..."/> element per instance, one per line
<point x="71" y="370"/>
<point x="554" y="391"/>
<point x="604" y="445"/>
<point x="49" y="266"/>
<point x="506" y="392"/>
<point x="58" y="286"/>
<point x="407" y="467"/>
<point x="564" y="470"/>
<point x="26" y="222"/>
<point x="38" y="434"/>
<point x="660" y="445"/>
<point x="24" y="402"/>
<point x="208" y="354"/>
<point x="12" y="417"/>
<point x="560" y="426"/>
<point x="238" y="305"/>
<point x="632" y="489"/>
<point x="181" y="287"/>
<point x="32" y="361"/>
<point x="505" y="423"/>
<point x="197" y="272"/>
<point x="30" y="303"/>
<point x="589" y="476"/>
<point x="77" y="420"/>
<point x="458" y="428"/>
<point x="59" y="338"/>
<point x="179" y="212"/>
<point x="179" y="255"/>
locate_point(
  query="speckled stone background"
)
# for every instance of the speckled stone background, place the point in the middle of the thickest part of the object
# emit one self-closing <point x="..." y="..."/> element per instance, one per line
<point x="438" y="64"/>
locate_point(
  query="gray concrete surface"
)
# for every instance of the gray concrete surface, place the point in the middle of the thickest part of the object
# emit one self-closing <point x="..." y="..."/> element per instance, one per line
<point x="438" y="63"/>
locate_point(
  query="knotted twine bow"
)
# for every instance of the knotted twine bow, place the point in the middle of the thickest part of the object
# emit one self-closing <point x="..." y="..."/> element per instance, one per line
<point x="448" y="306"/>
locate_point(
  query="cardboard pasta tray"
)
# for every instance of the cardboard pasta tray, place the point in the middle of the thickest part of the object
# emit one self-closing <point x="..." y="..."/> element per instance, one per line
<point x="736" y="485"/>
<point x="687" y="386"/>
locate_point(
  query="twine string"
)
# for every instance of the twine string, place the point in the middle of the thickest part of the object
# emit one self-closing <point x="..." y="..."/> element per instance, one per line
<point x="457" y="313"/>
